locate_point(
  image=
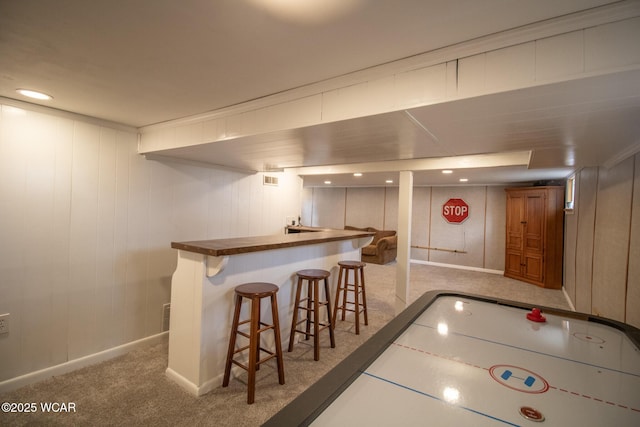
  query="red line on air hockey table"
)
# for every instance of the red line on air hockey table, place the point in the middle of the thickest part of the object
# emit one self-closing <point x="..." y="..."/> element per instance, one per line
<point x="507" y="374"/>
<point x="531" y="351"/>
<point x="438" y="398"/>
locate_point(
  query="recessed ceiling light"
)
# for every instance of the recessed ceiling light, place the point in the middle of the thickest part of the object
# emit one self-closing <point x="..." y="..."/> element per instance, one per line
<point x="327" y="182"/>
<point x="447" y="171"/>
<point x="33" y="94"/>
<point x="389" y="181"/>
<point x="357" y="174"/>
<point x="308" y="11"/>
<point x="464" y="179"/>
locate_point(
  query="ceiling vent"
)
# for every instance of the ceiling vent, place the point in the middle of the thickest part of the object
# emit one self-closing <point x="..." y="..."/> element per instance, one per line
<point x="270" y="180"/>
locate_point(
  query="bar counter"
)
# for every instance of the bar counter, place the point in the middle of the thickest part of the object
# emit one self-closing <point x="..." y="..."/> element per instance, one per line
<point x="241" y="245"/>
<point x="202" y="292"/>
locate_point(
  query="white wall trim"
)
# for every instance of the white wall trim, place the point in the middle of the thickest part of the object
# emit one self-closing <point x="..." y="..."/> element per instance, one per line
<point x="182" y="381"/>
<point x="630" y="151"/>
<point x="459" y="267"/>
<point x="75" y="364"/>
<point x="566" y="296"/>
<point x="66" y="114"/>
<point x="193" y="389"/>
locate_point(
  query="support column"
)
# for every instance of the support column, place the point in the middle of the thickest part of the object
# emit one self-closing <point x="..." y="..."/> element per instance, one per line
<point x="405" y="199"/>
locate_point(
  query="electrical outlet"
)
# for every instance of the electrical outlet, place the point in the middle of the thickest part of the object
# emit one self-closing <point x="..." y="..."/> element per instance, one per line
<point x="4" y="323"/>
<point x="166" y="316"/>
<point x="290" y="220"/>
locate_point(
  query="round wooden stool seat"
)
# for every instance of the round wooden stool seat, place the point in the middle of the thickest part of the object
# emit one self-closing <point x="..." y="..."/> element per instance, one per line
<point x="311" y="305"/>
<point x="357" y="288"/>
<point x="352" y="264"/>
<point x="256" y="289"/>
<point x="313" y="274"/>
<point x="254" y="292"/>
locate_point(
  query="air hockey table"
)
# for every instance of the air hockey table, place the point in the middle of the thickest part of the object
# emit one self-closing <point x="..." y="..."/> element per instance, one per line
<point x="454" y="359"/>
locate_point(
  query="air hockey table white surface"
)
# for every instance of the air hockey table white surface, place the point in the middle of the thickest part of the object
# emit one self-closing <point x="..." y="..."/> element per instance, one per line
<point x="468" y="362"/>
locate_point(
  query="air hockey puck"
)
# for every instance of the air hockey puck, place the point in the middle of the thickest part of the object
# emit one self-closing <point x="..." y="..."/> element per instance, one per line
<point x="531" y="414"/>
<point x="536" y="316"/>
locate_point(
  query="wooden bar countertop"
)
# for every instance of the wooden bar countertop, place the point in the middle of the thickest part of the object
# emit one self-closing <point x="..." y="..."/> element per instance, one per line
<point x="242" y="245"/>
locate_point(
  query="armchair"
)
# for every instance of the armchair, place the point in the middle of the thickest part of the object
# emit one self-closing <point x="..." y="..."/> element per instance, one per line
<point x="384" y="247"/>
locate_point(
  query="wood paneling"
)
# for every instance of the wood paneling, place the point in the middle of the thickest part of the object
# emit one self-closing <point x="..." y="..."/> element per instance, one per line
<point x="86" y="226"/>
<point x="481" y="236"/>
<point x="633" y="278"/>
<point x="606" y="242"/>
<point x="466" y="237"/>
<point x="570" y="232"/>
<point x="365" y="207"/>
<point x="391" y="208"/>
<point x="420" y="222"/>
<point x="586" y="197"/>
<point x="495" y="223"/>
<point x="329" y="208"/>
<point x="558" y="56"/>
<point x="612" y="45"/>
<point x="611" y="240"/>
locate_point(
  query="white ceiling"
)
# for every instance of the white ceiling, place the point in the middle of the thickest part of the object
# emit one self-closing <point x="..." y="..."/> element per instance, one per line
<point x="143" y="62"/>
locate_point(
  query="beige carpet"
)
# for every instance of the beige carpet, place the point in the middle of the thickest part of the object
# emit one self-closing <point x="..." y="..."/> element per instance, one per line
<point x="133" y="389"/>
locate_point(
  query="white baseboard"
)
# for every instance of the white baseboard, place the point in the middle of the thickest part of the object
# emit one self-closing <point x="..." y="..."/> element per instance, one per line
<point x="192" y="388"/>
<point x="187" y="385"/>
<point x="75" y="364"/>
<point x="459" y="267"/>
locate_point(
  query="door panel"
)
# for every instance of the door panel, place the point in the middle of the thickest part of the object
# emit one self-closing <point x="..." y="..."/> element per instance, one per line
<point x="533" y="267"/>
<point x="515" y="215"/>
<point x="534" y="222"/>
<point x="513" y="263"/>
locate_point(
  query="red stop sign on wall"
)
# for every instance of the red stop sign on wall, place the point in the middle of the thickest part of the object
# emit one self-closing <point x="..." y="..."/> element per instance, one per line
<point x="455" y="211"/>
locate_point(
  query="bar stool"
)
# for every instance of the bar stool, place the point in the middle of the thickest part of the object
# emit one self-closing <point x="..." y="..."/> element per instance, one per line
<point x="254" y="292"/>
<point x="357" y="287"/>
<point x="311" y="304"/>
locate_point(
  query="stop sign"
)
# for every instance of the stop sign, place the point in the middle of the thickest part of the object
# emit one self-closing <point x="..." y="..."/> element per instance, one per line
<point x="455" y="211"/>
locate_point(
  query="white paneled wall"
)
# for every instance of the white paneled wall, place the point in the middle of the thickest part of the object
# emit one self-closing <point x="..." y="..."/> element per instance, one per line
<point x="481" y="237"/>
<point x="495" y="228"/>
<point x="467" y="237"/>
<point x="421" y="215"/>
<point x="611" y="240"/>
<point x="327" y="210"/>
<point x="365" y="207"/>
<point x="632" y="309"/>
<point x="86" y="226"/>
<point x="602" y="237"/>
<point x="391" y="196"/>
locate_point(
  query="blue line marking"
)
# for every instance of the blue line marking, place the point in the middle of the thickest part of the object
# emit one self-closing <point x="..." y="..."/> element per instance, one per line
<point x="439" y="399"/>
<point x="533" y="351"/>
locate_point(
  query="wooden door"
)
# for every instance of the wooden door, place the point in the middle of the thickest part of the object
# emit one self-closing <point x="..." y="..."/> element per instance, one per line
<point x="533" y="240"/>
<point x="515" y="237"/>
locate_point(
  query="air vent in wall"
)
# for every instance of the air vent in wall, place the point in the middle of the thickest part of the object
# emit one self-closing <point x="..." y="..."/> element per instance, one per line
<point x="270" y="180"/>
